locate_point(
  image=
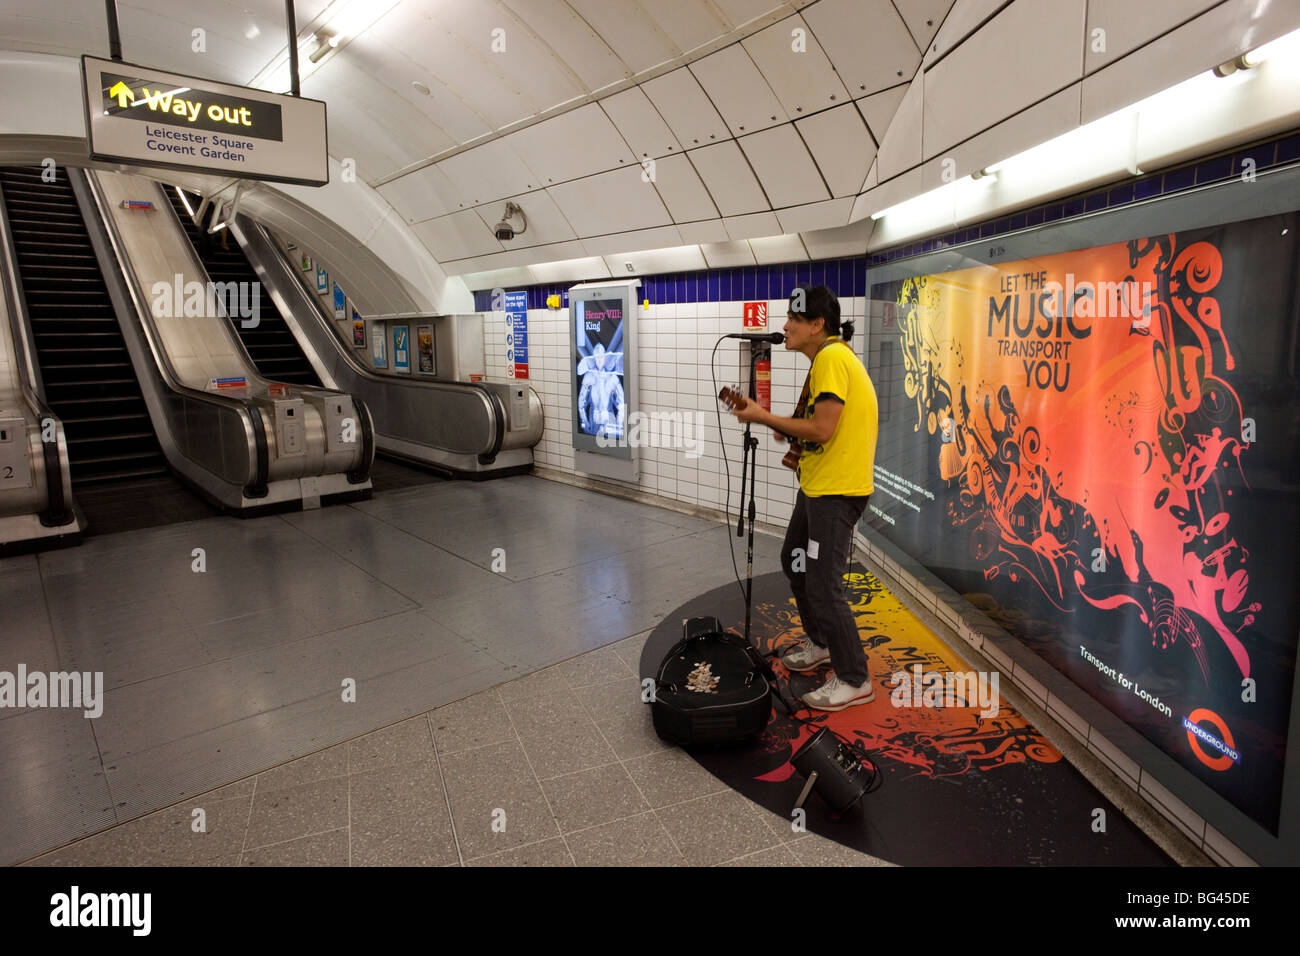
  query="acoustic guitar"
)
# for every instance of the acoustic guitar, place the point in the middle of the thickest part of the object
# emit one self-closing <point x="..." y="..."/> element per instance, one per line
<point x="733" y="399"/>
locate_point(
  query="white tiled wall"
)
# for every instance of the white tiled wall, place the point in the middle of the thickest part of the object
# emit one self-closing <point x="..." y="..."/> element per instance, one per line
<point x="674" y="345"/>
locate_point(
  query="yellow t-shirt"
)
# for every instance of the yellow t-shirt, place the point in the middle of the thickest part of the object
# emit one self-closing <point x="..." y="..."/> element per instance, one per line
<point x="844" y="464"/>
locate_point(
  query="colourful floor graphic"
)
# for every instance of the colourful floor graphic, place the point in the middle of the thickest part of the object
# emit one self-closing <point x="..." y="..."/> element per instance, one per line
<point x="965" y="782"/>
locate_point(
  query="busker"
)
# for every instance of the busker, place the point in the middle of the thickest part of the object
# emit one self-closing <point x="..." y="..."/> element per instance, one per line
<point x="836" y="422"/>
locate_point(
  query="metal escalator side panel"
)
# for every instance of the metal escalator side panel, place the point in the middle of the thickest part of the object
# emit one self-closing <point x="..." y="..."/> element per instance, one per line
<point x="461" y="418"/>
<point x="186" y="419"/>
<point x="58" y="509"/>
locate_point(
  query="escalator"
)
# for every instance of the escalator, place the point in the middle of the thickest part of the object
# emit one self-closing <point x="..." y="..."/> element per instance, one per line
<point x="87" y="373"/>
<point x="270" y="344"/>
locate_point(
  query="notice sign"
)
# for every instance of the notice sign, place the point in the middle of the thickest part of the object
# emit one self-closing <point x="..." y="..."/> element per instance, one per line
<point x="756" y="315"/>
<point x="147" y="117"/>
<point x="517" y="334"/>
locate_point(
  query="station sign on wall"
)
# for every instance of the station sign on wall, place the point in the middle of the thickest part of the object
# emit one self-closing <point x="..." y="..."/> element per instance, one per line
<point x="148" y="117"/>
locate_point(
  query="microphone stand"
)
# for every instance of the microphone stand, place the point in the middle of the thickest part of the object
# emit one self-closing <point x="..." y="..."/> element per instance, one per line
<point x="748" y="469"/>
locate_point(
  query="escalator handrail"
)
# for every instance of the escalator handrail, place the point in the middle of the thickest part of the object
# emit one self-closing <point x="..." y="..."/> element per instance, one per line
<point x="361" y="473"/>
<point x="246" y="225"/>
<point x="57" y="512"/>
<point x="246" y="407"/>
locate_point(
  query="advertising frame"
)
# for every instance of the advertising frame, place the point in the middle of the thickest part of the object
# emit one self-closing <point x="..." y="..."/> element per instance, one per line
<point x="582" y="367"/>
<point x="1205" y="207"/>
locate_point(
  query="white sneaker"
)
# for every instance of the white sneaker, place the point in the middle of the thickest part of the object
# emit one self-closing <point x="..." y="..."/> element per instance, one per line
<point x="805" y="657"/>
<point x="835" y="694"/>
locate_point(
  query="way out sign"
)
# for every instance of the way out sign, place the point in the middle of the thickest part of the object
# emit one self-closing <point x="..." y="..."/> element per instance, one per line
<point x="147" y="117"/>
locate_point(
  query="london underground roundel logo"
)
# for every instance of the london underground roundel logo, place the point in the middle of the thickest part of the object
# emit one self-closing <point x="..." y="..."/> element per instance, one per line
<point x="1222" y="752"/>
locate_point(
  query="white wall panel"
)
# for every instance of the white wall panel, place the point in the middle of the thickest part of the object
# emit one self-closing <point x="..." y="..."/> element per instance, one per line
<point x="629" y="30"/>
<point x="738" y="91"/>
<point x="771" y="249"/>
<point x="923" y="18"/>
<point x="445" y="119"/>
<point x="727" y="255"/>
<point x="423" y="194"/>
<point x="708" y="230"/>
<point x="1039" y="123"/>
<point x="1025" y="53"/>
<point x="382" y="132"/>
<point x="964" y="17"/>
<point x="685" y="108"/>
<point x="741" y="12"/>
<point x="901" y="147"/>
<point x="640" y="124"/>
<point x="687" y="23"/>
<point x="804" y="81"/>
<point x="841" y="147"/>
<point x="784" y="167"/>
<point x="471" y="71"/>
<point x="818" y="215"/>
<point x="850" y="240"/>
<point x="572" y="39"/>
<point x="880" y="108"/>
<point x="657" y="261"/>
<point x="728" y="178"/>
<point x="658" y="238"/>
<point x="51" y="103"/>
<point x="888" y="193"/>
<point x="867" y="42"/>
<point x="592" y="267"/>
<point x="458" y="236"/>
<point x="616" y="201"/>
<point x="489" y="172"/>
<point x="1222" y="34"/>
<point x="574" y="144"/>
<point x="681" y="190"/>
<point x="1130" y="25"/>
<point x="747" y="227"/>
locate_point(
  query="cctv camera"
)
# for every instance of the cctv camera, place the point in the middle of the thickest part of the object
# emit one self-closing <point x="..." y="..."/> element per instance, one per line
<point x="503" y="230"/>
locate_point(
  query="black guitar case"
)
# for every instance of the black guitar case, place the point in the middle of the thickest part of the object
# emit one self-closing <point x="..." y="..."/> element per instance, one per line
<point x="735" y="708"/>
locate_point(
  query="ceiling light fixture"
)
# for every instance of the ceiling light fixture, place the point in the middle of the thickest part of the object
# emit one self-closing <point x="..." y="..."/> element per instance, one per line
<point x="325" y="44"/>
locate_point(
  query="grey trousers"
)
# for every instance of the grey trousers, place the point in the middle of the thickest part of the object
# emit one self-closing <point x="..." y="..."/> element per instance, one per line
<point x="822" y="528"/>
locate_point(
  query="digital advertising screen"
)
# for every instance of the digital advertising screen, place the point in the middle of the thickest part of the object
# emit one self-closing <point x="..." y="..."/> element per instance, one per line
<point x="1100" y="449"/>
<point x="602" y="387"/>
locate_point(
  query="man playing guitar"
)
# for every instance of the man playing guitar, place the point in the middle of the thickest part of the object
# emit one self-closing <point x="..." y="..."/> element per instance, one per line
<point x="837" y="424"/>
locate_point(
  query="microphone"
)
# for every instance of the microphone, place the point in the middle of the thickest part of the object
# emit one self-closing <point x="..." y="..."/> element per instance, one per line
<point x="776" y="338"/>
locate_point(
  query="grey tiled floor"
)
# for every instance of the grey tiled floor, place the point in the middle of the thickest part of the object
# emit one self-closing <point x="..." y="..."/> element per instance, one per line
<point x="217" y="676"/>
<point x="558" y="768"/>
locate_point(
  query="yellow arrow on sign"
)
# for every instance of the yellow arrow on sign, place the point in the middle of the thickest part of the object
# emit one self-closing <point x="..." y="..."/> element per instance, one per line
<point x="123" y="93"/>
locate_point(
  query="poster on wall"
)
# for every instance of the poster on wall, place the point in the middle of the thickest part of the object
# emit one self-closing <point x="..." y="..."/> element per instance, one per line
<point x="401" y="348"/>
<point x="305" y="262"/>
<point x="424" y="342"/>
<point x="1098" y="449"/>
<point x="322" y="281"/>
<point x="358" y="330"/>
<point x="378" y="340"/>
<point x="340" y="303"/>
<point x="602" y="402"/>
<point x="517" y="334"/>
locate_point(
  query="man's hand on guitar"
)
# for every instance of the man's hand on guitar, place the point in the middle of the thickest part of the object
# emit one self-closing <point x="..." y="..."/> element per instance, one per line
<point x="750" y="411"/>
